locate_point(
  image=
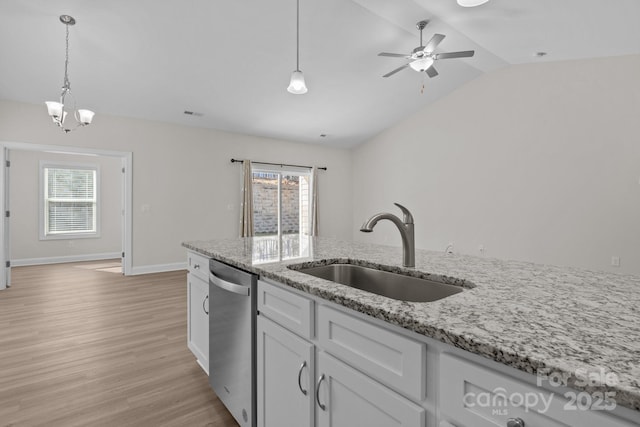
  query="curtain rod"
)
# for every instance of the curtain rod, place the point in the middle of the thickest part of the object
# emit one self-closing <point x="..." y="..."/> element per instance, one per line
<point x="277" y="164"/>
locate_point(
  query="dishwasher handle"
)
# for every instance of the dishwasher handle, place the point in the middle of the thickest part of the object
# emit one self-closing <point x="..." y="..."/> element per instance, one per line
<point x="228" y="286"/>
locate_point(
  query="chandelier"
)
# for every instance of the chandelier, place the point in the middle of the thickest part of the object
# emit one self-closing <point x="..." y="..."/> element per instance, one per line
<point x="57" y="109"/>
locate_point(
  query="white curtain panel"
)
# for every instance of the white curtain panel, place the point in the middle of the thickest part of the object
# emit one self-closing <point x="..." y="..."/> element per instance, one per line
<point x="246" y="205"/>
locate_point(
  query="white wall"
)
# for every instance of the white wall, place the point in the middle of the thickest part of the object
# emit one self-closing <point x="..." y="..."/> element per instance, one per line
<point x="537" y="162"/>
<point x="184" y="185"/>
<point x="26" y="246"/>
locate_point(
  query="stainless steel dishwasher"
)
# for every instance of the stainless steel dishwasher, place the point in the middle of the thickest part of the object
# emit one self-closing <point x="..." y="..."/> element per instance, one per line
<point x="232" y="325"/>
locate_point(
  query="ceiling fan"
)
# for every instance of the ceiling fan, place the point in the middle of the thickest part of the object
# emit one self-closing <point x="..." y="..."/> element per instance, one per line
<point x="422" y="57"/>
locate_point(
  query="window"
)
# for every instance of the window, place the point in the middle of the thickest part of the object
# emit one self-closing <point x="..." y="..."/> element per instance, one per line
<point x="69" y="196"/>
<point x="281" y="202"/>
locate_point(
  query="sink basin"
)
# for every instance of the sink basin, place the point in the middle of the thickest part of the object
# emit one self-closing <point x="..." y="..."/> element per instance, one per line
<point x="391" y="285"/>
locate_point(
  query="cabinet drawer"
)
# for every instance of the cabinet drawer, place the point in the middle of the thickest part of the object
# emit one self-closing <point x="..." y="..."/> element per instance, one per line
<point x="475" y="396"/>
<point x="396" y="361"/>
<point x="198" y="265"/>
<point x="290" y="310"/>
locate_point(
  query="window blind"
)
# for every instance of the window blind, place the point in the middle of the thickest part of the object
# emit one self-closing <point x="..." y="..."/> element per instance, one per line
<point x="70" y="201"/>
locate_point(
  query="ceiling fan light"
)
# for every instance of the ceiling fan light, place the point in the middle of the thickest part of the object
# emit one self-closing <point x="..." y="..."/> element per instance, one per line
<point x="421" y="64"/>
<point x="471" y="3"/>
<point x="297" y="85"/>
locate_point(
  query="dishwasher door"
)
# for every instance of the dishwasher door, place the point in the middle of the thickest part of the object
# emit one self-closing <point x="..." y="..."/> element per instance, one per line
<point x="232" y="320"/>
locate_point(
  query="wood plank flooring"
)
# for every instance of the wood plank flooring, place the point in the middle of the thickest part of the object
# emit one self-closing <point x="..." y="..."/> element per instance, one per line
<point x="85" y="347"/>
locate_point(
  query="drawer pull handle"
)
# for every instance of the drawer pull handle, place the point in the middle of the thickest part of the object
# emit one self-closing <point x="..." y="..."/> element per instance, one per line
<point x="300" y="378"/>
<point x="515" y="422"/>
<point x="323" y="407"/>
<point x="204" y="301"/>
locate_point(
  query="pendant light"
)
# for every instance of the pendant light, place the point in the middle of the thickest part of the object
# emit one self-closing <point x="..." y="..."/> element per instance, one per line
<point x="57" y="109"/>
<point x="297" y="85"/>
<point x="471" y="3"/>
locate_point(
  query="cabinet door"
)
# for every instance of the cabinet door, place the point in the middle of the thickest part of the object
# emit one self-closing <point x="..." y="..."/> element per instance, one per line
<point x="198" y="319"/>
<point x="285" y="377"/>
<point x="348" y="398"/>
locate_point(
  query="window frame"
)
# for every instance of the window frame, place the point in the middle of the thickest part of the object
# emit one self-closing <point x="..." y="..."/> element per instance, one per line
<point x="42" y="217"/>
<point x="285" y="170"/>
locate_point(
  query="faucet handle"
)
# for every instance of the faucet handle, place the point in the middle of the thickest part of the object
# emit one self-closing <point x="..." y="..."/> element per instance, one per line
<point x="408" y="218"/>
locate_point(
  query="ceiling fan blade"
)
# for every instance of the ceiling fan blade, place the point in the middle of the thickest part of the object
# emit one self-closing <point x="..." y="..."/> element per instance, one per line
<point x="434" y="42"/>
<point x="396" y="70"/>
<point x="431" y="71"/>
<point x="449" y="55"/>
<point x="395" y="55"/>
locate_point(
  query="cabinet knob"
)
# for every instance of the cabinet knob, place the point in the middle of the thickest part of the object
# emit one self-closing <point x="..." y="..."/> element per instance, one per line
<point x="300" y="377"/>
<point x="196" y="266"/>
<point x="323" y="407"/>
<point x="515" y="422"/>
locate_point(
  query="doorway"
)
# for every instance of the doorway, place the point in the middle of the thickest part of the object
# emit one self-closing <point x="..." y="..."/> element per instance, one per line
<point x="71" y="247"/>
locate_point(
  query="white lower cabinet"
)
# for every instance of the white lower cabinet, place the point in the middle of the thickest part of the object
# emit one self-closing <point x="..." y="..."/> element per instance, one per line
<point x="198" y="319"/>
<point x="285" y="377"/>
<point x="475" y="396"/>
<point x="301" y="385"/>
<point x="348" y="398"/>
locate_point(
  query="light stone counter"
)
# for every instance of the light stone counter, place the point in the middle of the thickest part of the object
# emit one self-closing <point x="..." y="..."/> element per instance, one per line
<point x="528" y="316"/>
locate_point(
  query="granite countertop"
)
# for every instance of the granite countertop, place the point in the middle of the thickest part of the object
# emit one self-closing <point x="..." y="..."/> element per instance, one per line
<point x="528" y="316"/>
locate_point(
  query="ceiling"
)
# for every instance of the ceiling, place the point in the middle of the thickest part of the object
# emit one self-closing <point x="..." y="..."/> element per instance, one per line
<point x="231" y="61"/>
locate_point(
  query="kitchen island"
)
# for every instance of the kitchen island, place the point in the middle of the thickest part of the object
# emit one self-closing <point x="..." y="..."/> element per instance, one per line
<point x="560" y="321"/>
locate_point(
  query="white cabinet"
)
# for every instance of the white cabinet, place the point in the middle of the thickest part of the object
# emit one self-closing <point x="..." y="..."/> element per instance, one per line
<point x="390" y="358"/>
<point x="476" y="396"/>
<point x="287" y="309"/>
<point x="285" y="377"/>
<point x="346" y="398"/>
<point x="198" y="308"/>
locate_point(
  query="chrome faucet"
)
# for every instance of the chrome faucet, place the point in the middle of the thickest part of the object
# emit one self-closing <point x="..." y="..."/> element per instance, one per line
<point x="405" y="226"/>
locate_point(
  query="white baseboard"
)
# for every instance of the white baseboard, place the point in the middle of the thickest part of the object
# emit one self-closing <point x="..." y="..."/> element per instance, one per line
<point x="63" y="259"/>
<point x="144" y="269"/>
<point x="158" y="268"/>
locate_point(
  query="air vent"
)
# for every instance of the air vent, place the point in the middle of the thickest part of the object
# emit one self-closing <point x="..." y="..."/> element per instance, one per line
<point x="192" y="113"/>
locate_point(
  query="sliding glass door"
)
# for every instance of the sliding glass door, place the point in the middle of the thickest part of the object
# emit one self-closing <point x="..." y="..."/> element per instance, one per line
<point x="282" y="207"/>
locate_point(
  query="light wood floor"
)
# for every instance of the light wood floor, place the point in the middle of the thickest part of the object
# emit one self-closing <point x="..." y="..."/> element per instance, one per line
<point x="81" y="345"/>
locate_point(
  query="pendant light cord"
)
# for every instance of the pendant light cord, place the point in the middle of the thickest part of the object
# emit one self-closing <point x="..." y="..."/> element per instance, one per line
<point x="297" y="35"/>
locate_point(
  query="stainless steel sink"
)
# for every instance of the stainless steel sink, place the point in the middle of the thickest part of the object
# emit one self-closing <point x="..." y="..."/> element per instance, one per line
<point x="391" y="285"/>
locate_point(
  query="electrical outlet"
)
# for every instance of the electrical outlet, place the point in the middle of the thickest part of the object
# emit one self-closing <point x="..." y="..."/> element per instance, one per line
<point x="615" y="261"/>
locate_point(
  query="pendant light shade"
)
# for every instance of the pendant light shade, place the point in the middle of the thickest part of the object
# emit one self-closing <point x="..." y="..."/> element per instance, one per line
<point x="297" y="86"/>
<point x="471" y="3"/>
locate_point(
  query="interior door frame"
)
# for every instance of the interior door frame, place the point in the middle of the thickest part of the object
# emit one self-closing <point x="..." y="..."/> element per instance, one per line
<point x="126" y="193"/>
